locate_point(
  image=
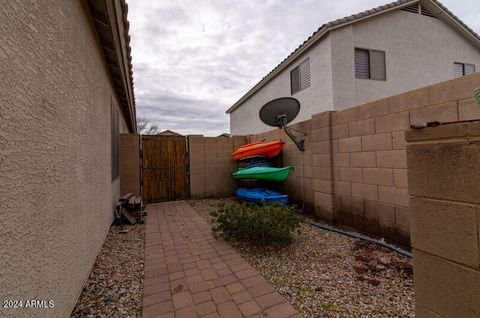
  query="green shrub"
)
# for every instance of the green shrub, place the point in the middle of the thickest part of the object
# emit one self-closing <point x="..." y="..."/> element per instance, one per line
<point x="258" y="224"/>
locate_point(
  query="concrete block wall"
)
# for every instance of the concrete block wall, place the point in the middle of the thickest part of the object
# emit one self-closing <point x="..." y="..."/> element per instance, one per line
<point x="354" y="169"/>
<point x="369" y="153"/>
<point x="444" y="182"/>
<point x="211" y="165"/>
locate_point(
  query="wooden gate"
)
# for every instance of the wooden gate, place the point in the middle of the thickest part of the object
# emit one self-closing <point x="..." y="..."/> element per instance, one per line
<point x="164" y="168"/>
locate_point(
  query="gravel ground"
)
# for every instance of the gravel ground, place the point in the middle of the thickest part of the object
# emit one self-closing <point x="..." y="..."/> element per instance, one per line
<point x="324" y="274"/>
<point x="115" y="285"/>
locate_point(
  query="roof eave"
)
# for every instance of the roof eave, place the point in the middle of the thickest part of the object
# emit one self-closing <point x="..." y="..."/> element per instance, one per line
<point x="112" y="26"/>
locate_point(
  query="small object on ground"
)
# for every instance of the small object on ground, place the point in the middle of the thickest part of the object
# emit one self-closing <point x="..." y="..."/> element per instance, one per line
<point x="128" y="216"/>
<point x="259" y="195"/>
<point x="117" y="212"/>
<point x="263" y="173"/>
<point x="265" y="149"/>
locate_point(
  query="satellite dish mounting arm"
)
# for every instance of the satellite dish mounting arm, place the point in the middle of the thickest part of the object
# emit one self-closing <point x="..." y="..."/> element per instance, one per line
<point x="282" y="123"/>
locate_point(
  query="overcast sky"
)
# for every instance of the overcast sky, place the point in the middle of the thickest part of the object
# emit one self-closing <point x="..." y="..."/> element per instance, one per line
<point x="192" y="59"/>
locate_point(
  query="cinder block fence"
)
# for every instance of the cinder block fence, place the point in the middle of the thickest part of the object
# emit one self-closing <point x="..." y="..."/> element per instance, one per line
<point x="444" y="185"/>
<point x="354" y="169"/>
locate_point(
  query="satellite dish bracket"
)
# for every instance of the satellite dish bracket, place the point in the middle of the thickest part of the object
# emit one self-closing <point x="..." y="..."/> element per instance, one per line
<point x="282" y="123"/>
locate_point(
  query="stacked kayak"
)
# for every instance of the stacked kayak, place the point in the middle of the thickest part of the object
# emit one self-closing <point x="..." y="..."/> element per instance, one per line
<point x="258" y="168"/>
<point x="260" y="195"/>
<point x="262" y="149"/>
<point x="263" y="173"/>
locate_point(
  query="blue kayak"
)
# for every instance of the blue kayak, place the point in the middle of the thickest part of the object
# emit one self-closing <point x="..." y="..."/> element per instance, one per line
<point x="260" y="195"/>
<point x="255" y="163"/>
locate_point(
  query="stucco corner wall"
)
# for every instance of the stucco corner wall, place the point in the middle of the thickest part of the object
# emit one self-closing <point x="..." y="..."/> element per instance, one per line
<point x="444" y="178"/>
<point x="56" y="190"/>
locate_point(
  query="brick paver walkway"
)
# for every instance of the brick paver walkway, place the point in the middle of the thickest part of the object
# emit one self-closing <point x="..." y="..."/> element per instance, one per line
<point x="188" y="273"/>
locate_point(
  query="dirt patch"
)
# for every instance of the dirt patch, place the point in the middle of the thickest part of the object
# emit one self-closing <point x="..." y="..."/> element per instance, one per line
<point x="324" y="274"/>
<point x="115" y="285"/>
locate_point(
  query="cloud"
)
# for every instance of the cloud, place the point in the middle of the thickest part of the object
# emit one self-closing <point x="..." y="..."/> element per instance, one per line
<point x="193" y="59"/>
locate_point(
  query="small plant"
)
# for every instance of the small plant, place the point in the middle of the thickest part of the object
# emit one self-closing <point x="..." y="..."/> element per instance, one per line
<point x="258" y="224"/>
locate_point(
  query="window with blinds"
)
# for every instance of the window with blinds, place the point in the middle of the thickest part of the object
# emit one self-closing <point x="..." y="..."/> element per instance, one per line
<point x="461" y="69"/>
<point x="370" y="64"/>
<point x="300" y="77"/>
<point x="115" y="143"/>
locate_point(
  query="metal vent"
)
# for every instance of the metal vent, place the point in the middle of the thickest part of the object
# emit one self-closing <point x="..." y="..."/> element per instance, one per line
<point x="426" y="12"/>
<point x="414" y="8"/>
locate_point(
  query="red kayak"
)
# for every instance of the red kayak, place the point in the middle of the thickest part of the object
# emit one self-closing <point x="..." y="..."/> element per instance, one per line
<point x="263" y="149"/>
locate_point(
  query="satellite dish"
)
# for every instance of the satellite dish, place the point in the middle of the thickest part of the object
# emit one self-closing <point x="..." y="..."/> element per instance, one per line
<point x="287" y="106"/>
<point x="279" y="112"/>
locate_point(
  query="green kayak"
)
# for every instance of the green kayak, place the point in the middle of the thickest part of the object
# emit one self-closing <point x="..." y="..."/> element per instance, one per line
<point x="263" y="173"/>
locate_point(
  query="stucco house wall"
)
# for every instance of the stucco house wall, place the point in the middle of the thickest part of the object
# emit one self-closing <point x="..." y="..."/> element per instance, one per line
<point x="314" y="99"/>
<point x="419" y="51"/>
<point x="56" y="189"/>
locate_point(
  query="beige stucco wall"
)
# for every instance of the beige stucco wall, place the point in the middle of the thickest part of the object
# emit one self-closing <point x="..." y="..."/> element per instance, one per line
<point x="420" y="51"/>
<point x="314" y="99"/>
<point x="56" y="191"/>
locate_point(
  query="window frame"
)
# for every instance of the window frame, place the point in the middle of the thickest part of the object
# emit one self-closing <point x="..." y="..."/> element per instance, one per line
<point x="369" y="51"/>
<point x="463" y="68"/>
<point x="300" y="81"/>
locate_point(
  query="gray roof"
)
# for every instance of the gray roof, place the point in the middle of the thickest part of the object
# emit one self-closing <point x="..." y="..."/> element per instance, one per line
<point x="434" y="6"/>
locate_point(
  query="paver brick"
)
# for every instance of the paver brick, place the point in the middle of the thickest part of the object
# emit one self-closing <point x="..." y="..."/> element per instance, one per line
<point x="269" y="300"/>
<point x="194" y="279"/>
<point x="246" y="273"/>
<point x="249" y="308"/>
<point x="206" y="308"/>
<point x="261" y="289"/>
<point x="235" y="288"/>
<point x="188" y="312"/>
<point x="156" y="309"/>
<point x="241" y="297"/>
<point x="156" y="298"/>
<point x="220" y="295"/>
<point x="209" y="274"/>
<point x="282" y="310"/>
<point x="182" y="299"/>
<point x="225" y="280"/>
<point x="197" y="287"/>
<point x="229" y="309"/>
<point x="201" y="297"/>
